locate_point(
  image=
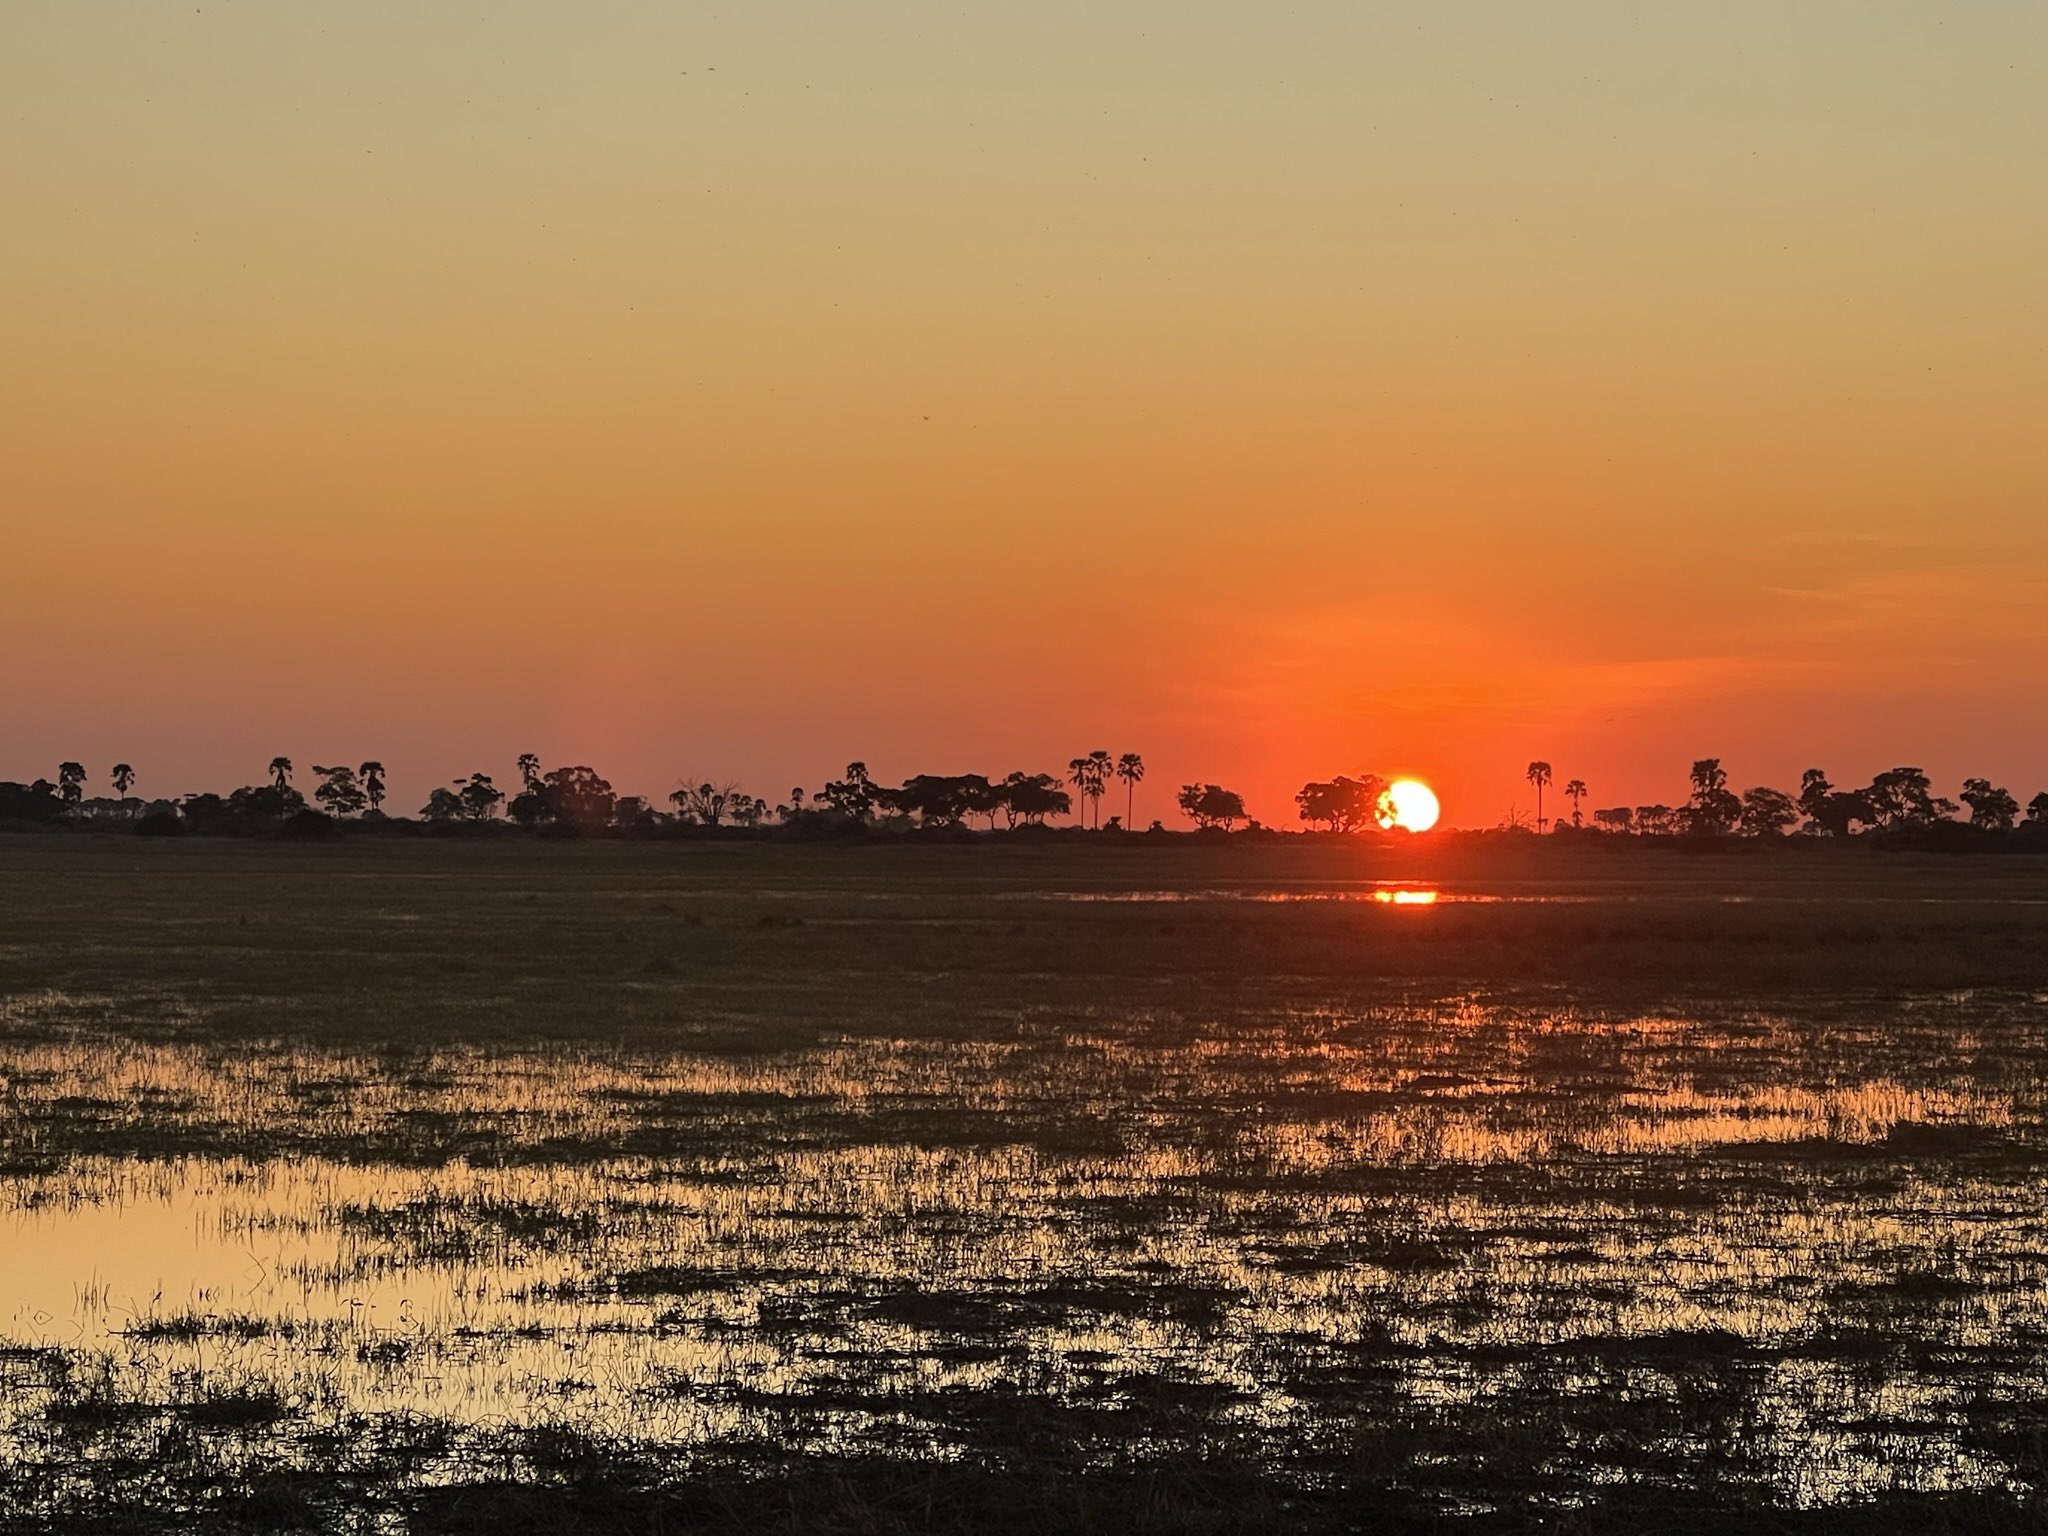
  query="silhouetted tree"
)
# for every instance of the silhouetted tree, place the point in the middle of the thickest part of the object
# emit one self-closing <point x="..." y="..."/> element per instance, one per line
<point x="706" y="803"/>
<point x="1538" y="774"/>
<point x="852" y="796"/>
<point x="1831" y="812"/>
<point x="568" y="797"/>
<point x="124" y="779"/>
<point x="1903" y="797"/>
<point x="1104" y="767"/>
<point x="71" y="786"/>
<point x="632" y="813"/>
<point x="1030" y="798"/>
<point x="1211" y="805"/>
<point x="1345" y="804"/>
<point x="747" y="810"/>
<point x="2037" y="810"/>
<point x="1131" y="769"/>
<point x="480" y="797"/>
<point x="1575" y="791"/>
<point x="1655" y="820"/>
<point x="373" y="783"/>
<point x="338" y="790"/>
<point x="529" y="770"/>
<point x="1615" y="819"/>
<point x="795" y="808"/>
<point x="1990" y="806"/>
<point x="281" y="772"/>
<point x="1713" y="807"/>
<point x="443" y="805"/>
<point x="266" y="802"/>
<point x="1086" y="775"/>
<point x="1767" y="812"/>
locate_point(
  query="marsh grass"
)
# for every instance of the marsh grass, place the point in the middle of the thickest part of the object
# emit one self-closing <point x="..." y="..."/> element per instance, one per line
<point x="675" y="1189"/>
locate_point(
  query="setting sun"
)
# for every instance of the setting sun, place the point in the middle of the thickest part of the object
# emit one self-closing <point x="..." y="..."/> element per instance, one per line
<point x="1410" y="805"/>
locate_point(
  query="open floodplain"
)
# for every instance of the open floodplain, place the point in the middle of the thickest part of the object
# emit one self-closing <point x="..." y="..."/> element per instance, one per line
<point x="525" y="1185"/>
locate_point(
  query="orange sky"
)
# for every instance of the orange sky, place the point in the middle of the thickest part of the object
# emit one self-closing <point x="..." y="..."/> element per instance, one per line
<point x="729" y="395"/>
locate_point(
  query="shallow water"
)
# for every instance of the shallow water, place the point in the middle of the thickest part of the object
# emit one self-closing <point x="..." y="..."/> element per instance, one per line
<point x="1819" y="1247"/>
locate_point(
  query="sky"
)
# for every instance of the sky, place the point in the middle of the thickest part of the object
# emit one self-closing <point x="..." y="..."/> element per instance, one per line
<point x="1275" y="390"/>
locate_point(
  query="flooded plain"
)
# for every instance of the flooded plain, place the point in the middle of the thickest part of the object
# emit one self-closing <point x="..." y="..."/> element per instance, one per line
<point x="1485" y="1247"/>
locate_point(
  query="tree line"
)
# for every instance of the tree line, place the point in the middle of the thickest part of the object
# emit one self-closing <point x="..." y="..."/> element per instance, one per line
<point x="578" y="798"/>
<point x="1896" y="800"/>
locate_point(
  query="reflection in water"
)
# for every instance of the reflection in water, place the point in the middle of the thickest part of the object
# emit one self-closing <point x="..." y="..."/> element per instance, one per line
<point x="1323" y="1221"/>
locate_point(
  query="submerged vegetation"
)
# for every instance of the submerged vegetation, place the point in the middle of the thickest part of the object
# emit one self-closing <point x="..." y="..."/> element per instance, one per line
<point x="452" y="1185"/>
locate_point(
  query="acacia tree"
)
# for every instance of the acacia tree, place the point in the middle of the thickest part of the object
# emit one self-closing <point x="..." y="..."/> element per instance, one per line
<point x="1575" y="791"/>
<point x="480" y="798"/>
<point x="1538" y="774"/>
<point x="338" y="790"/>
<point x="1904" y="797"/>
<point x="1345" y="804"/>
<point x="1990" y="806"/>
<point x="1211" y="805"/>
<point x="1767" y="812"/>
<point x="443" y="805"/>
<point x="372" y="774"/>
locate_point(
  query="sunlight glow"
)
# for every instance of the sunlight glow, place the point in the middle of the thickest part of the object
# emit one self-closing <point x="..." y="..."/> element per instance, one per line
<point x="1422" y="898"/>
<point x="1410" y="804"/>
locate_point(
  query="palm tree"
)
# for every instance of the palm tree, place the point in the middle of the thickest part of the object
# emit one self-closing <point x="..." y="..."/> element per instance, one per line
<point x="373" y="782"/>
<point x="124" y="779"/>
<point x="1130" y="768"/>
<point x="1575" y="791"/>
<point x="281" y="771"/>
<point x="1102" y="765"/>
<point x="1539" y="775"/>
<point x="1080" y="773"/>
<point x="529" y="769"/>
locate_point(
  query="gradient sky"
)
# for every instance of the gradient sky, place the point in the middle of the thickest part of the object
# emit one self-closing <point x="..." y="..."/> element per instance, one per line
<point x="1275" y="390"/>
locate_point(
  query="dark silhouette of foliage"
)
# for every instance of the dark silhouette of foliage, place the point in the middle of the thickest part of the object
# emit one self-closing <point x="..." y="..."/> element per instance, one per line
<point x="1903" y="797"/>
<point x="480" y="798"/>
<point x="265" y="802"/>
<point x="575" y="798"/>
<point x="1713" y="807"/>
<point x="529" y="770"/>
<point x="1990" y="806"/>
<point x="1538" y="774"/>
<point x="71" y="786"/>
<point x="1211" y="805"/>
<point x="706" y="804"/>
<point x="1615" y="819"/>
<point x="1575" y="791"/>
<point x="1768" y="812"/>
<point x="123" y="778"/>
<point x="2037" y="810"/>
<point x="372" y="775"/>
<point x="443" y="805"/>
<point x="853" y="796"/>
<point x="1131" y="769"/>
<point x="281" y="772"/>
<point x="1344" y="804"/>
<point x="338" y="792"/>
<point x="35" y="803"/>
<point x="1029" y="798"/>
